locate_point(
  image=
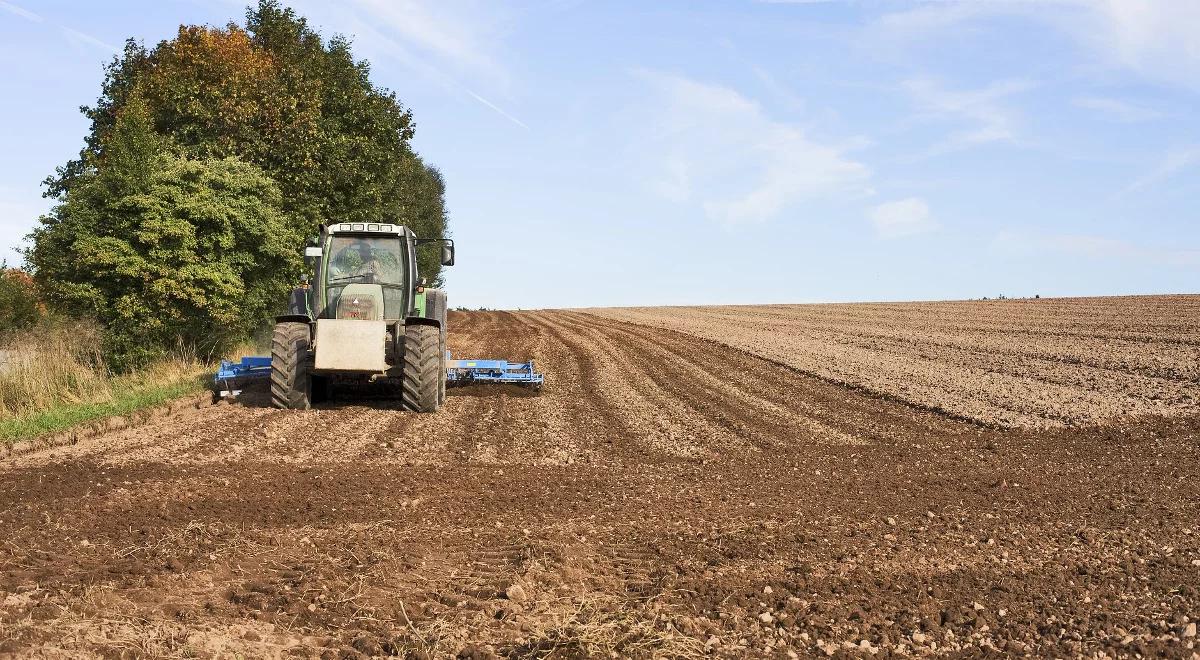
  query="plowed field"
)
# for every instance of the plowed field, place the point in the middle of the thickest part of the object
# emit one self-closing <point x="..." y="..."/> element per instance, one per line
<point x="1004" y="363"/>
<point x="666" y="495"/>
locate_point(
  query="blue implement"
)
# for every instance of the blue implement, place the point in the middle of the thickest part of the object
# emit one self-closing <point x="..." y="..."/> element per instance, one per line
<point x="232" y="375"/>
<point x="467" y="372"/>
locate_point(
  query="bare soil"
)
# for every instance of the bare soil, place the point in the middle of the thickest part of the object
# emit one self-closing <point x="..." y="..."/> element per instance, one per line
<point x="666" y="495"/>
<point x="1029" y="363"/>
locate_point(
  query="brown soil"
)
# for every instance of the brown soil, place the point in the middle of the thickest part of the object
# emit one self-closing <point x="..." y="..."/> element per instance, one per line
<point x="1031" y="363"/>
<point x="666" y="495"/>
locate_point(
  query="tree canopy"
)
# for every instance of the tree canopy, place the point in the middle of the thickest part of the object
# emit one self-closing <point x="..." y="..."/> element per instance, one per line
<point x="210" y="158"/>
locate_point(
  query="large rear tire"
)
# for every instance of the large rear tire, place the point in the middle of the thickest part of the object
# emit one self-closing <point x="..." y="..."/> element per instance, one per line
<point x="435" y="308"/>
<point x="442" y="370"/>
<point x="291" y="351"/>
<point x="422" y="368"/>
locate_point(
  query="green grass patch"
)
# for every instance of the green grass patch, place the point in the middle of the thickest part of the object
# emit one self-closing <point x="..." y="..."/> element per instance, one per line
<point x="124" y="401"/>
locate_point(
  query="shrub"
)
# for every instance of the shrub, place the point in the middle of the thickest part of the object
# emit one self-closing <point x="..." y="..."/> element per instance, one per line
<point x="19" y="304"/>
<point x="169" y="253"/>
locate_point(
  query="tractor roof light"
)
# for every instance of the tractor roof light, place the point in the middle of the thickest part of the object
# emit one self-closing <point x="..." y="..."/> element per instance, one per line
<point x="365" y="227"/>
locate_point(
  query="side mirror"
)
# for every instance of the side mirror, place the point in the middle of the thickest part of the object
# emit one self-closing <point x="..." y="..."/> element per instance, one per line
<point x="447" y="254"/>
<point x="312" y="255"/>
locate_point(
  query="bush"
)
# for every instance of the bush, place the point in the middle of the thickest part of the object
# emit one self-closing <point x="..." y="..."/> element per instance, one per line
<point x="170" y="254"/>
<point x="19" y="304"/>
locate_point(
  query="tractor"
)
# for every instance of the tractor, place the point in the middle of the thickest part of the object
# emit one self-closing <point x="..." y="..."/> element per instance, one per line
<point x="365" y="315"/>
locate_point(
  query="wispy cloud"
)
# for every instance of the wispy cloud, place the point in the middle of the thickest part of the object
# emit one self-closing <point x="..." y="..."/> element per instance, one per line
<point x="724" y="153"/>
<point x="901" y="218"/>
<point x="1174" y="162"/>
<point x="1118" y="110"/>
<point x="454" y="33"/>
<point x="1095" y="247"/>
<point x="447" y="43"/>
<point x="72" y="35"/>
<point x="82" y="37"/>
<point x="984" y="112"/>
<point x="20" y="11"/>
<point x="1154" y="39"/>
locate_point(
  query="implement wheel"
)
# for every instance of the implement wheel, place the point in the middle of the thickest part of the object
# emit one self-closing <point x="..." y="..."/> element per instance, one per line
<point x="291" y="385"/>
<point x="422" y="368"/>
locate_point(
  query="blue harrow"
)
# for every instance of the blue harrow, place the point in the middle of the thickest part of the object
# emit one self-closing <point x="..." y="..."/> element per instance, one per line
<point x="470" y="372"/>
<point x="233" y="376"/>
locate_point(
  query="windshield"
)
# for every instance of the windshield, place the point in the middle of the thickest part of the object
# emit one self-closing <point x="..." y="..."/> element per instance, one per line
<point x="370" y="260"/>
<point x="366" y="260"/>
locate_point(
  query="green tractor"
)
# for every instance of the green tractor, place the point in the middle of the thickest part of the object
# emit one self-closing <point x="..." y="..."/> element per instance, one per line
<point x="366" y="316"/>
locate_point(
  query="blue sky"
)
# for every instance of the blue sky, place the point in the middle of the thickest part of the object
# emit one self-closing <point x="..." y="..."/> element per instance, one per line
<point x="619" y="153"/>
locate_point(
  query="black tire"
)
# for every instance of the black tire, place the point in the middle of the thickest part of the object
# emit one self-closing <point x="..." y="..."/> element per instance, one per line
<point x="422" y="368"/>
<point x="291" y="355"/>
<point x="435" y="308"/>
<point x="442" y="371"/>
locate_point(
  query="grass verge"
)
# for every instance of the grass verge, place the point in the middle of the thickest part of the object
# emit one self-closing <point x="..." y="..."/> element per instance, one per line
<point x="53" y="377"/>
<point x="124" y="400"/>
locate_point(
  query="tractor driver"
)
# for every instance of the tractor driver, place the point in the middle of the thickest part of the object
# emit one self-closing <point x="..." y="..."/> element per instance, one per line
<point x="360" y="259"/>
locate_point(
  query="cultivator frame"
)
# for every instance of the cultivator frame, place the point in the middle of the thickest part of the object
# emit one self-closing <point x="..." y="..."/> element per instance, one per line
<point x="232" y="377"/>
<point x="460" y="373"/>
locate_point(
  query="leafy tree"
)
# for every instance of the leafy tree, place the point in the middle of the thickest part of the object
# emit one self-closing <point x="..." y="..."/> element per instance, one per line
<point x="275" y="94"/>
<point x="210" y="158"/>
<point x="19" y="304"/>
<point x="169" y="252"/>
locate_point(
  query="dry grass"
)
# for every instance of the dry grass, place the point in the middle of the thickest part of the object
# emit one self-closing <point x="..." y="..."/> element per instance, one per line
<point x="51" y="366"/>
<point x="53" y="376"/>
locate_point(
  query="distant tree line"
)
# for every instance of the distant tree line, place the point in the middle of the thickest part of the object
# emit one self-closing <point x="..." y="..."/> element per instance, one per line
<point x="211" y="158"/>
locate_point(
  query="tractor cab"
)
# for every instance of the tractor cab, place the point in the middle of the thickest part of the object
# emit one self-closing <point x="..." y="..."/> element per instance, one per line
<point x="363" y="271"/>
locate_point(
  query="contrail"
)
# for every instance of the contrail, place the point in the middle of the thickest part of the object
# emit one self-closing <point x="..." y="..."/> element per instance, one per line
<point x="70" y="32"/>
<point x="493" y="106"/>
<point x="20" y="11"/>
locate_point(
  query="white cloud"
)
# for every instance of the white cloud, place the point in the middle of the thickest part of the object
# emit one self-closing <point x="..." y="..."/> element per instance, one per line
<point x="1094" y="247"/>
<point x="983" y="111"/>
<point x="1172" y="163"/>
<point x="901" y="218"/>
<point x="1155" y="39"/>
<point x="1118" y="110"/>
<point x="722" y="152"/>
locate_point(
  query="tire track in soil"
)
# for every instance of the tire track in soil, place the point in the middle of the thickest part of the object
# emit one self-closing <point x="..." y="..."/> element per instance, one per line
<point x="663" y="424"/>
<point x="237" y="529"/>
<point x="736" y="400"/>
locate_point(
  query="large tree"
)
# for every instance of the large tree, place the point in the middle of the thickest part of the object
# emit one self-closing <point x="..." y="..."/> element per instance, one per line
<point x="270" y="99"/>
<point x="169" y="252"/>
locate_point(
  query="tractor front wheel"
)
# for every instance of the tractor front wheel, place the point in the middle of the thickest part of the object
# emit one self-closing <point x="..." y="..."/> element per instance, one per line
<point x="422" y="368"/>
<point x="291" y="348"/>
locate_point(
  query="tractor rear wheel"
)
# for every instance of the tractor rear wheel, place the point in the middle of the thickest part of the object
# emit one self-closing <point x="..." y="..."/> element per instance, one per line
<point x="291" y="385"/>
<point x="442" y="369"/>
<point x="422" y="368"/>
